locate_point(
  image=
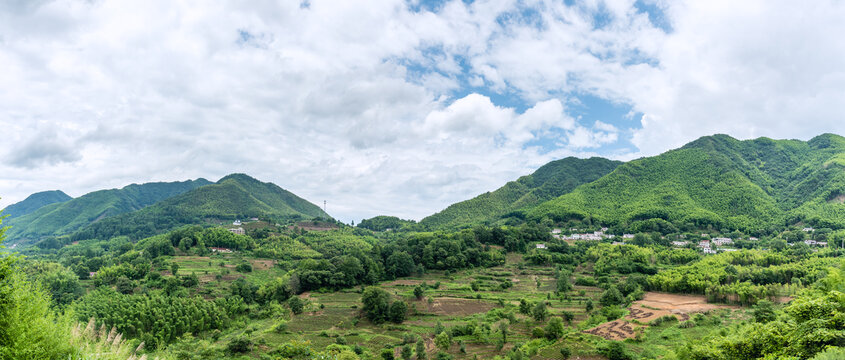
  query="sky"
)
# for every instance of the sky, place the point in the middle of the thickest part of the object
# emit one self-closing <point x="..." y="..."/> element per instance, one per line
<point x="395" y="107"/>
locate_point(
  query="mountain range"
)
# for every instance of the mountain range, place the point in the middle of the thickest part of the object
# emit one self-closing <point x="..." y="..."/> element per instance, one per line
<point x="713" y="182"/>
<point x="146" y="209"/>
<point x="548" y="182"/>
<point x="717" y="181"/>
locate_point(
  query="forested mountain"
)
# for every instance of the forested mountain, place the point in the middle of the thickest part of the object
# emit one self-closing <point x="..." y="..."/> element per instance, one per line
<point x="235" y="196"/>
<point x="35" y="202"/>
<point x="717" y="181"/>
<point x="69" y="216"/>
<point x="548" y="182"/>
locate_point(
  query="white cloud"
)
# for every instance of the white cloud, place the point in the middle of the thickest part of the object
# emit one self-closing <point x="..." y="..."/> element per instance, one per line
<point x="356" y="103"/>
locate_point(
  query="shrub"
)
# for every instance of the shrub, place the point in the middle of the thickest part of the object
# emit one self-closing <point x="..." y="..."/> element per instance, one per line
<point x="538" y="332"/>
<point x="240" y="344"/>
<point x="244" y="268"/>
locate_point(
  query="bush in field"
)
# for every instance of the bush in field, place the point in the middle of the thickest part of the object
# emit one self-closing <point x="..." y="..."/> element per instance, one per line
<point x="296" y="305"/>
<point x="376" y="304"/>
<point x="398" y="311"/>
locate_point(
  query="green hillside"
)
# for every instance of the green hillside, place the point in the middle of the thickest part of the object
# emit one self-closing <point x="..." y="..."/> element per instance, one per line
<point x="35" y="202"/>
<point x="718" y="181"/>
<point x="549" y="181"/>
<point x="235" y="196"/>
<point x="67" y="217"/>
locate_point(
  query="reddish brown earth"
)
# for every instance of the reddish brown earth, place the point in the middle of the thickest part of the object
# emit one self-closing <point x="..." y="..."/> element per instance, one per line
<point x="654" y="306"/>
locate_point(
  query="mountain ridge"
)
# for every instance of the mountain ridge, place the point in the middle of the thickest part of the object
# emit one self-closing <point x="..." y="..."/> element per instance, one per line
<point x="34" y="202"/>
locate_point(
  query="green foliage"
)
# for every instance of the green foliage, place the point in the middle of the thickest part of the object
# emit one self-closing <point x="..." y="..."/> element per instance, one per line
<point x="156" y="318"/>
<point x="715" y="181"/>
<point x="65" y="217"/>
<point x="764" y="311"/>
<point x="805" y="327"/>
<point x="240" y="344"/>
<point x="235" y="196"/>
<point x="540" y="312"/>
<point x="398" y="311"/>
<point x="549" y="181"/>
<point x="443" y="341"/>
<point x="296" y="305"/>
<point x="376" y="304"/>
<point x="611" y="297"/>
<point x="35" y="202"/>
<point x="382" y="223"/>
<point x="614" y="350"/>
<point x="554" y="329"/>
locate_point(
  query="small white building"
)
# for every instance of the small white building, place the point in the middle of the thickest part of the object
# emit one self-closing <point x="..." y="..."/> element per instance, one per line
<point x="556" y="231"/>
<point x="239" y="231"/>
<point x="237" y="223"/>
<point x="722" y="241"/>
<point x="680" y="243"/>
<point x="627" y="236"/>
<point x="541" y="246"/>
<point x="808" y="229"/>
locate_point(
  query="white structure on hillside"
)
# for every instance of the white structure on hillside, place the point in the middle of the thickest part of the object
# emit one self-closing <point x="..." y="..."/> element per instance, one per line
<point x="541" y="246"/>
<point x="722" y="241"/>
<point x="239" y="231"/>
<point x="237" y="223"/>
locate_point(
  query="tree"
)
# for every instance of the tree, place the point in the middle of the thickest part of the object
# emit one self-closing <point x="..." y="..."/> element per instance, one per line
<point x="174" y="269"/>
<point x="376" y="304"/>
<point x="240" y="344"/>
<point x="565" y="353"/>
<point x="406" y="352"/>
<point x="589" y="306"/>
<point x="614" y="350"/>
<point x="540" y="312"/>
<point x="764" y="311"/>
<point x="420" y="350"/>
<point x="503" y="328"/>
<point x="524" y="307"/>
<point x="442" y="341"/>
<point x="554" y="329"/>
<point x="568" y="316"/>
<point x="398" y="311"/>
<point x="296" y="305"/>
<point x="124" y="285"/>
<point x="400" y="264"/>
<point x="563" y="284"/>
<point x="611" y="296"/>
<point x="419" y="292"/>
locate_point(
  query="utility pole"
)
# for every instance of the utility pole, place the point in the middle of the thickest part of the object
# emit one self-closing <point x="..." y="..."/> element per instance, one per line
<point x="324" y="206"/>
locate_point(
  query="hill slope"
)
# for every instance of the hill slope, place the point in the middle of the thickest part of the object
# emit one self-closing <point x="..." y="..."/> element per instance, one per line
<point x="66" y="217"/>
<point x="35" y="202"/>
<point x="718" y="181"/>
<point x="235" y="196"/>
<point x="549" y="181"/>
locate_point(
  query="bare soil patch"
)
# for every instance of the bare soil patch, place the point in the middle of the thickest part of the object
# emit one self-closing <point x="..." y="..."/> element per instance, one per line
<point x="680" y="304"/>
<point x="262" y="264"/>
<point x="653" y="306"/>
<point x="453" y="306"/>
<point x="614" y="330"/>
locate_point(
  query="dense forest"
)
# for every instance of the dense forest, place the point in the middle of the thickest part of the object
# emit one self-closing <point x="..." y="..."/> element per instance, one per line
<point x="718" y="182"/>
<point x="64" y="217"/>
<point x="548" y="182"/>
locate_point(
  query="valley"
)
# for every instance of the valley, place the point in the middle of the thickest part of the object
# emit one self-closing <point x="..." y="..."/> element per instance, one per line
<point x="722" y="249"/>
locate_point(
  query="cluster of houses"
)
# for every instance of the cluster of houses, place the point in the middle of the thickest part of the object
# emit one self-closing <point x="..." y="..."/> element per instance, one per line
<point x="706" y="245"/>
<point x="815" y="243"/>
<point x="594" y="236"/>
